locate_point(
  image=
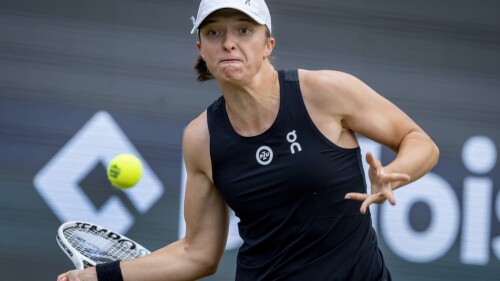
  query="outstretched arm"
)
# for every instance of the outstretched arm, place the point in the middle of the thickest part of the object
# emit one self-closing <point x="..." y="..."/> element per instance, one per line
<point x="353" y="107"/>
<point x="206" y="214"/>
<point x="199" y="252"/>
<point x="378" y="119"/>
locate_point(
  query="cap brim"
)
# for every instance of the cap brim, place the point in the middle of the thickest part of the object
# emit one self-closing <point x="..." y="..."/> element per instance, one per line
<point x="211" y="11"/>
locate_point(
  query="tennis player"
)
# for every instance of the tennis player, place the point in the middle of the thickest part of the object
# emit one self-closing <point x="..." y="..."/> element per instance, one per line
<point x="279" y="148"/>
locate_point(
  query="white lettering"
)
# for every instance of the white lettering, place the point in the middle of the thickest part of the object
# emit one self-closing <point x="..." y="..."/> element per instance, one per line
<point x="476" y="225"/>
<point x="479" y="157"/>
<point x="292" y="138"/>
<point x="496" y="240"/>
<point x="479" y="154"/>
<point x="437" y="239"/>
<point x="294" y="146"/>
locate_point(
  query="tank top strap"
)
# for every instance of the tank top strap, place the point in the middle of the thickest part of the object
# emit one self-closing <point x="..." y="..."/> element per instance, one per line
<point x="290" y="75"/>
<point x="293" y="102"/>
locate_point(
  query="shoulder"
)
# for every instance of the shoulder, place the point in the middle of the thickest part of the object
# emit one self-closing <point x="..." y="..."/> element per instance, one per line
<point x="196" y="132"/>
<point x="331" y="80"/>
<point x="330" y="89"/>
<point x="196" y="142"/>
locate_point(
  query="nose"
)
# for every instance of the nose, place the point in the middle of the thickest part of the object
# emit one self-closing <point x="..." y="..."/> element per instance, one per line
<point x="229" y="42"/>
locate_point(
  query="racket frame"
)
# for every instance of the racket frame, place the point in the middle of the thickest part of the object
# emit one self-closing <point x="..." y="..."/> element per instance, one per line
<point x="79" y="260"/>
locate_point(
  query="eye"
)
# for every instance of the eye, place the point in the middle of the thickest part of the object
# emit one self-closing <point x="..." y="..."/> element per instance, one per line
<point x="212" y="32"/>
<point x="245" y="30"/>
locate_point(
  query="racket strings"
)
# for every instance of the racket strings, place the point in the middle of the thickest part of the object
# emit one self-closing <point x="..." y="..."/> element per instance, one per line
<point x="98" y="247"/>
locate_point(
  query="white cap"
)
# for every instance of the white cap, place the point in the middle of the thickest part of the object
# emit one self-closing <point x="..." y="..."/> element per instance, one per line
<point x="256" y="9"/>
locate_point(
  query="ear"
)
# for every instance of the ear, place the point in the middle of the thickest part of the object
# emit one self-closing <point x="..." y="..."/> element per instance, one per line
<point x="198" y="46"/>
<point x="269" y="47"/>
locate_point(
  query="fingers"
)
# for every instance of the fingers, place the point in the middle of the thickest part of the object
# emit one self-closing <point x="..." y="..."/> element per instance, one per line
<point x="372" y="161"/>
<point x="377" y="165"/>
<point x="63" y="277"/>
<point x="370" y="199"/>
<point x="362" y="197"/>
<point x="390" y="197"/>
<point x="356" y="196"/>
<point x="380" y="177"/>
<point x="365" y="206"/>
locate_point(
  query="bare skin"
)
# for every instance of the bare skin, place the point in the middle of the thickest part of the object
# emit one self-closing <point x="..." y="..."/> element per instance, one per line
<point x="237" y="52"/>
<point x="341" y="104"/>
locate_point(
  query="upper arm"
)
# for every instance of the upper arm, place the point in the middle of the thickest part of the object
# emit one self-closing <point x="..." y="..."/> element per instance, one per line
<point x="358" y="108"/>
<point x="199" y="252"/>
<point x="205" y="211"/>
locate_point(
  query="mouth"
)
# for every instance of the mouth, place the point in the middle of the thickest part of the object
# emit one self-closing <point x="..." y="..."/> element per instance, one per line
<point x="229" y="61"/>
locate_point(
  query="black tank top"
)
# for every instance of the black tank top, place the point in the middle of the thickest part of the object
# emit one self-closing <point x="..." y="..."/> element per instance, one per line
<point x="287" y="186"/>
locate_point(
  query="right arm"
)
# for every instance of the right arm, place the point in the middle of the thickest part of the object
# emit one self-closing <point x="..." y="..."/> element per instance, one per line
<point x="206" y="214"/>
<point x="207" y="220"/>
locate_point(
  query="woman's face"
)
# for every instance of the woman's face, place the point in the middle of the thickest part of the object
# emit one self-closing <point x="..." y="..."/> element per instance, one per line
<point x="233" y="45"/>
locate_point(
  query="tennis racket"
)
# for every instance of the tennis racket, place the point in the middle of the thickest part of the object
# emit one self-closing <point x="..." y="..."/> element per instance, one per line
<point x="87" y="244"/>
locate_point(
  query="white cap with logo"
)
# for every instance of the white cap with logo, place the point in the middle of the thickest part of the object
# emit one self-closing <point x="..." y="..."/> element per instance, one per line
<point x="256" y="9"/>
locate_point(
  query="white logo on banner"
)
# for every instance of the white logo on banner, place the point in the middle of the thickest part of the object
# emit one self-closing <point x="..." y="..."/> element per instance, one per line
<point x="99" y="140"/>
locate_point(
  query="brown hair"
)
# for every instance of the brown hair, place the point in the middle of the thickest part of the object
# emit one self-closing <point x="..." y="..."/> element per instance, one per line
<point x="201" y="69"/>
<point x="200" y="66"/>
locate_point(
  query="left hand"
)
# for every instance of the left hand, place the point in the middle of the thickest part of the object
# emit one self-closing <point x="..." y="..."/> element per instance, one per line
<point x="88" y="274"/>
<point x="382" y="185"/>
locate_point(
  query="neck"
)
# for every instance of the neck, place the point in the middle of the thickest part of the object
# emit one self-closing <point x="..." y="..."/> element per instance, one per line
<point x="253" y="106"/>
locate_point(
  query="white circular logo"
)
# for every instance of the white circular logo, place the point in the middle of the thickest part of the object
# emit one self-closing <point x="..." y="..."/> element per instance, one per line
<point x="264" y="155"/>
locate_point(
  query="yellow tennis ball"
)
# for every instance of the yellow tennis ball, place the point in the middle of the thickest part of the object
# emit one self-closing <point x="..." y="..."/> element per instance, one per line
<point x="124" y="171"/>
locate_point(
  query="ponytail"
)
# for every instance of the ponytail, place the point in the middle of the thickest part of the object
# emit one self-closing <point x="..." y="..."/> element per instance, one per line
<point x="201" y="69"/>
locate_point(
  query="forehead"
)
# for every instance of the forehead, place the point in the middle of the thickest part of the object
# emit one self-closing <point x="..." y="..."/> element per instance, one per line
<point x="227" y="14"/>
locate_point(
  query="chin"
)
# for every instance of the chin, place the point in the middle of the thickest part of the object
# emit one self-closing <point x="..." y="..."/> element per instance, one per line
<point x="232" y="74"/>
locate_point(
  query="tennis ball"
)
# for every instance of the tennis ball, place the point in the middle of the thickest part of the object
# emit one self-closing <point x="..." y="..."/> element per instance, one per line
<point x="124" y="171"/>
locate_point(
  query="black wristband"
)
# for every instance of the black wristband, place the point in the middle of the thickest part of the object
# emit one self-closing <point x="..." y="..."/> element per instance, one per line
<point x="109" y="271"/>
